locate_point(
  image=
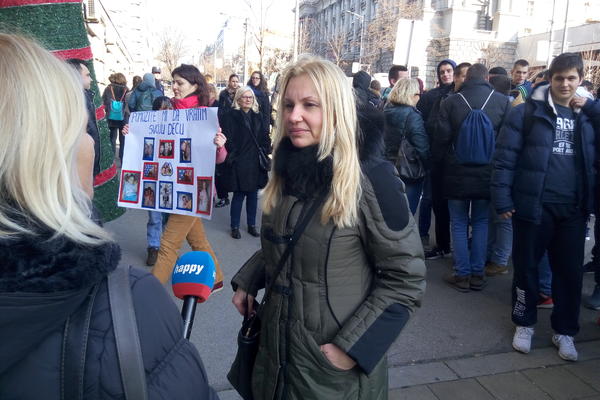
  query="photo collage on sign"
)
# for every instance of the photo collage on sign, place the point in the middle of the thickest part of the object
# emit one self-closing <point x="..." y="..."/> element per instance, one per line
<point x="163" y="167"/>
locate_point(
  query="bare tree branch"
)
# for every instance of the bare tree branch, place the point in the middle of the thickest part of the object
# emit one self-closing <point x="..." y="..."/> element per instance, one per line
<point x="171" y="51"/>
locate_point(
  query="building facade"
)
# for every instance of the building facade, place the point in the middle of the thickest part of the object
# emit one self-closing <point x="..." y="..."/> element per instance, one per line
<point x="420" y="33"/>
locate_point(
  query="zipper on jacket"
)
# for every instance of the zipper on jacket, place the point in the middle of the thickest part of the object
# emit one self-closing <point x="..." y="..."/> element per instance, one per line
<point x="326" y="284"/>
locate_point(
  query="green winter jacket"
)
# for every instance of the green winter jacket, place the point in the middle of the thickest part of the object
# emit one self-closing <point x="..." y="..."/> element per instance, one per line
<point x="354" y="287"/>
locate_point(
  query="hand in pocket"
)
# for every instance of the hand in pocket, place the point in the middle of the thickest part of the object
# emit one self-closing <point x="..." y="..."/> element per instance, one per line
<point x="337" y="357"/>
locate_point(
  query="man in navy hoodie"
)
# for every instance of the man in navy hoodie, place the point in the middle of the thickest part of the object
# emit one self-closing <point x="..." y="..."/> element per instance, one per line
<point x="429" y="106"/>
<point x="544" y="177"/>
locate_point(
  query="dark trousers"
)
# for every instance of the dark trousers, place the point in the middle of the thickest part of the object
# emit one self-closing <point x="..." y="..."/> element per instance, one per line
<point x="236" y="208"/>
<point x="114" y="132"/>
<point x="220" y="171"/>
<point x="440" y="209"/>
<point x="562" y="233"/>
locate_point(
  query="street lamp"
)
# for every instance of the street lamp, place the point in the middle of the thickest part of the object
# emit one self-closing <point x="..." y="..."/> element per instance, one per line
<point x="362" y="32"/>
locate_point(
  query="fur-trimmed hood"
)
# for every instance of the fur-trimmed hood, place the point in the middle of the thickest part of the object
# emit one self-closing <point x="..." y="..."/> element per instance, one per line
<point x="43" y="280"/>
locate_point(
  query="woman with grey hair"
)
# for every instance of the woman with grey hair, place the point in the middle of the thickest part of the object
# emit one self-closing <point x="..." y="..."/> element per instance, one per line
<point x="248" y="137"/>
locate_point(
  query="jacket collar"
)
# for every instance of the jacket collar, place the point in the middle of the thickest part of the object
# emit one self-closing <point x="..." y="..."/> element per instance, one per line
<point x="542" y="94"/>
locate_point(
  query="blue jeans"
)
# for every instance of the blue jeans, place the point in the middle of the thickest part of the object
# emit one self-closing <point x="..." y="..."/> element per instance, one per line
<point x="425" y="210"/>
<point x="236" y="208"/>
<point x="413" y="193"/>
<point x="469" y="262"/>
<point x="154" y="228"/>
<point x="500" y="236"/>
<point x="545" y="275"/>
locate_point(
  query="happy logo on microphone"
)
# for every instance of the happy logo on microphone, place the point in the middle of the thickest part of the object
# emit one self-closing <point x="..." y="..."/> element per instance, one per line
<point x="194" y="275"/>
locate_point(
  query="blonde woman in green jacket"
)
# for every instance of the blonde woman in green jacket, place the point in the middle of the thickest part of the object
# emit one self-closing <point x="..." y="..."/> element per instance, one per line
<point x="357" y="272"/>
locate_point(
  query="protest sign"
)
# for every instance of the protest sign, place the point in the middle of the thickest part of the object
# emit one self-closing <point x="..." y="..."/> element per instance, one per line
<point x="169" y="161"/>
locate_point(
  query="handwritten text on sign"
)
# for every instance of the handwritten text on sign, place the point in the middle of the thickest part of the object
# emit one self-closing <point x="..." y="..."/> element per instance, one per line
<point x="169" y="161"/>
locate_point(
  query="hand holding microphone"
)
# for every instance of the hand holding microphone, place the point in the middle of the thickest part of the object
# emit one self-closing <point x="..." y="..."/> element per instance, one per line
<point x="193" y="279"/>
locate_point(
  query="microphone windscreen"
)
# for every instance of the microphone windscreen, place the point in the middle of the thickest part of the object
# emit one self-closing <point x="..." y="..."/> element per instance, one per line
<point x="194" y="275"/>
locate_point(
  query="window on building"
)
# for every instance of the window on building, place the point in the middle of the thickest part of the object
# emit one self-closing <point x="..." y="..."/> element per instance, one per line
<point x="414" y="72"/>
<point x="530" y="8"/>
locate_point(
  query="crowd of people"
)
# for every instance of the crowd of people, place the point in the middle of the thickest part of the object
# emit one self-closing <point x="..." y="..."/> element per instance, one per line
<point x="507" y="164"/>
<point x="508" y="167"/>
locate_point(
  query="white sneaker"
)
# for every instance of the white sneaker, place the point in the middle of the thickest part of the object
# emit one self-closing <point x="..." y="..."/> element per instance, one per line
<point x="566" y="347"/>
<point x="522" y="339"/>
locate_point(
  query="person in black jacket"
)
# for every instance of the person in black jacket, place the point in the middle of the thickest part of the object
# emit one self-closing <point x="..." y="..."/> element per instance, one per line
<point x="403" y="121"/>
<point x="467" y="187"/>
<point x="54" y="255"/>
<point x="429" y="107"/>
<point x="258" y="83"/>
<point x="246" y="132"/>
<point x="225" y="104"/>
<point x="364" y="96"/>
<point x="545" y="179"/>
<point x="92" y="123"/>
<point x="116" y="90"/>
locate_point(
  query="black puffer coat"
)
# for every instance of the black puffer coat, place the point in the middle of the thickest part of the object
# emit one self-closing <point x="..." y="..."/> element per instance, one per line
<point x="242" y="171"/>
<point x="92" y="128"/>
<point x="364" y="96"/>
<point x="403" y="120"/>
<point x="466" y="181"/>
<point x="42" y="282"/>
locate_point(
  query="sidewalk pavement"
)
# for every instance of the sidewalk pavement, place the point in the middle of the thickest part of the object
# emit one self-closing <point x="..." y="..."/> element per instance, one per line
<point x="456" y="346"/>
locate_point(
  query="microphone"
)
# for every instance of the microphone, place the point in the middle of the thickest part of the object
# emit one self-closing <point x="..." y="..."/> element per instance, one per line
<point x="193" y="279"/>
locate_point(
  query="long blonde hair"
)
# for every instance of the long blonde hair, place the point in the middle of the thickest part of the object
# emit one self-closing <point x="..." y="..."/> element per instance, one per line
<point x="338" y="139"/>
<point x="42" y="119"/>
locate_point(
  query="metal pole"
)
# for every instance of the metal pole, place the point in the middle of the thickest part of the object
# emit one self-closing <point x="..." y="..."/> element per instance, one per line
<point x="549" y="58"/>
<point x="362" y="35"/>
<point x="245" y="41"/>
<point x="564" y="42"/>
<point x="296" y="30"/>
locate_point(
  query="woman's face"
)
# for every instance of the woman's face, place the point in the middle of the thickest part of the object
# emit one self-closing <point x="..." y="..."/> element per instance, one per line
<point x="302" y="112"/>
<point x="255" y="79"/>
<point x="182" y="88"/>
<point x="245" y="101"/>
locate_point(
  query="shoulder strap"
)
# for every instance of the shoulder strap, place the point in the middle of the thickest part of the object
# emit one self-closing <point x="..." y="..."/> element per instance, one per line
<point x="112" y="92"/>
<point x="74" y="349"/>
<point x="127" y="338"/>
<point x="488" y="99"/>
<point x="124" y="94"/>
<point x="463" y="97"/>
<point x="298" y="230"/>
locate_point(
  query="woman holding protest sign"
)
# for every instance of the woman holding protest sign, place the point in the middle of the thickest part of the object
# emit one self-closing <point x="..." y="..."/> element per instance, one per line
<point x="341" y="260"/>
<point x="248" y="143"/>
<point x="191" y="91"/>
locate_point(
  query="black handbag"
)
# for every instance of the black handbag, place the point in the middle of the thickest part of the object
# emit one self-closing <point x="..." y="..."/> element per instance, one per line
<point x="264" y="161"/>
<point x="240" y="374"/>
<point x="408" y="163"/>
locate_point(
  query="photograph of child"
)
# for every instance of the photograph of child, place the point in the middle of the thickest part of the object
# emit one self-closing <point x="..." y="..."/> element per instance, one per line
<point x="184" y="201"/>
<point x="130" y="185"/>
<point x="204" y="198"/>
<point x="185" y="175"/>
<point x="185" y="150"/>
<point x="165" y="148"/>
<point x="165" y="195"/>
<point x="148" y="149"/>
<point x="149" y="197"/>
<point x="166" y="169"/>
<point x="151" y="170"/>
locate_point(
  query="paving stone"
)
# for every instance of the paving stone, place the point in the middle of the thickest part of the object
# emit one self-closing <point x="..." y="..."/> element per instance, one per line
<point x="512" y="386"/>
<point x="588" y="350"/>
<point x="504" y="362"/>
<point x="559" y="383"/>
<point x="412" y="393"/>
<point x="463" y="389"/>
<point x="587" y="371"/>
<point x="419" y="374"/>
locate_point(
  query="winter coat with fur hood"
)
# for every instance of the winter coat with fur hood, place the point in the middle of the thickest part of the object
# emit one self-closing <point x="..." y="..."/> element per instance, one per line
<point x="354" y="287"/>
<point x="42" y="282"/>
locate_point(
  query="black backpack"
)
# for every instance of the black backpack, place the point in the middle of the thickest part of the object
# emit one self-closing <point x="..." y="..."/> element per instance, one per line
<point x="127" y="340"/>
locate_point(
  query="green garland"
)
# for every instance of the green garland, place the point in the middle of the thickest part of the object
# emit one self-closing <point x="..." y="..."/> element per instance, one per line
<point x="60" y="27"/>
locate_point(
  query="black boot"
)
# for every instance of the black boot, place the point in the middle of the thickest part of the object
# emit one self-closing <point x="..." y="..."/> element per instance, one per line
<point x="252" y="230"/>
<point x="235" y="233"/>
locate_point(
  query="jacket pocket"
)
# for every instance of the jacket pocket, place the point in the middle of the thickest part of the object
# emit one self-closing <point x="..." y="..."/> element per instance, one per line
<point x="311" y="375"/>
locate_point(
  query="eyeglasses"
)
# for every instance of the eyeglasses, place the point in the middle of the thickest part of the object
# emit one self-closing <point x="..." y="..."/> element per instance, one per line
<point x="256" y="78"/>
<point x="246" y="97"/>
